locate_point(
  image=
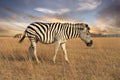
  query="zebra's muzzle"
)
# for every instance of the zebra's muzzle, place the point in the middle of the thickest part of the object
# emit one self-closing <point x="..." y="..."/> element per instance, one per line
<point x="90" y="43"/>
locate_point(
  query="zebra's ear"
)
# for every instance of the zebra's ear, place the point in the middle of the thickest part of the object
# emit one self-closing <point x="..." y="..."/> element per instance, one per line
<point x="87" y="26"/>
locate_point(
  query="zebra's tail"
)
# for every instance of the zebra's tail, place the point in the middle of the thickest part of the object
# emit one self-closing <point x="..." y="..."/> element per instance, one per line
<point x="23" y="36"/>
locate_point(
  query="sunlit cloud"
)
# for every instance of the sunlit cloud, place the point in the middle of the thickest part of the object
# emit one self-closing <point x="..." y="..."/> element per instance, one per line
<point x="62" y="20"/>
<point x="88" y="4"/>
<point x="16" y="25"/>
<point x="7" y="29"/>
<point x="49" y="11"/>
<point x="95" y="30"/>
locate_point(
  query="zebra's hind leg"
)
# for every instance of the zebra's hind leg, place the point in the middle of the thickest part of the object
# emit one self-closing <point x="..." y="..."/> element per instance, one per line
<point x="33" y="49"/>
<point x="30" y="52"/>
<point x="57" y="44"/>
<point x="64" y="51"/>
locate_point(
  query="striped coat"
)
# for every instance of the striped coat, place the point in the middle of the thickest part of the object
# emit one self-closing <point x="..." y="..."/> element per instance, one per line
<point x="56" y="33"/>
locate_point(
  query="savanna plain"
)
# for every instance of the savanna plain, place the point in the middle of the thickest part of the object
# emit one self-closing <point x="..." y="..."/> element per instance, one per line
<point x="99" y="62"/>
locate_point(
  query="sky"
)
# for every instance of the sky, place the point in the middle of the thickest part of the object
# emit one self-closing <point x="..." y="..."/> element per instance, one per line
<point x="103" y="16"/>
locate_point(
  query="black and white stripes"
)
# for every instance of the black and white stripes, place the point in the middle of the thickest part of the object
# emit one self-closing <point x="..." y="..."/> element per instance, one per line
<point x="56" y="33"/>
<point x="48" y="32"/>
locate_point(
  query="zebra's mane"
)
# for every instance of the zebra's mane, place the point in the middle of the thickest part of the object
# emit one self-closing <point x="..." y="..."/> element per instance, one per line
<point x="77" y="25"/>
<point x="80" y="25"/>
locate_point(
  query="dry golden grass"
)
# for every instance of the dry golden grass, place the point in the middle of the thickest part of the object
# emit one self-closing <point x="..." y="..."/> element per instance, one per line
<point x="99" y="62"/>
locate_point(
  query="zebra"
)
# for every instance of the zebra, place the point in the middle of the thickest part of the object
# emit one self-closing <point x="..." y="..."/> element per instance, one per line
<point x="57" y="33"/>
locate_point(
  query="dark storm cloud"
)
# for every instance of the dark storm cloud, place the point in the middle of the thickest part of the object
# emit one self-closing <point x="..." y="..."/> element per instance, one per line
<point x="14" y="14"/>
<point x="111" y="14"/>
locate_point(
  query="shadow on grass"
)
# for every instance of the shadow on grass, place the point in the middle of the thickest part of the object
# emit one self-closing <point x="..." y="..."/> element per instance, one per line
<point x="12" y="57"/>
<point x="21" y="58"/>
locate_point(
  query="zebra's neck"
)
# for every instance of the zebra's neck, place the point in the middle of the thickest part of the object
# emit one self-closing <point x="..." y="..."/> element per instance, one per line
<point x="71" y="31"/>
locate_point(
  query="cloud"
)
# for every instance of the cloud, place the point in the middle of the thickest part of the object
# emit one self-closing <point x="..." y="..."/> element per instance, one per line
<point x="111" y="15"/>
<point x="21" y="22"/>
<point x="96" y="30"/>
<point x="13" y="24"/>
<point x="49" y="11"/>
<point x="72" y="10"/>
<point x="7" y="31"/>
<point x="59" y="19"/>
<point x="79" y="5"/>
<point x="88" y="4"/>
<point x="109" y="18"/>
<point x="3" y="29"/>
<point x="58" y="16"/>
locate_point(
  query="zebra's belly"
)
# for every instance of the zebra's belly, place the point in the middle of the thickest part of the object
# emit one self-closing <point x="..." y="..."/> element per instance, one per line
<point x="47" y="41"/>
<point x="49" y="38"/>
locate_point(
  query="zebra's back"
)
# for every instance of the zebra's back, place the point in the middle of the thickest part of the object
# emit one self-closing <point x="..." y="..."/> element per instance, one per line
<point x="43" y="32"/>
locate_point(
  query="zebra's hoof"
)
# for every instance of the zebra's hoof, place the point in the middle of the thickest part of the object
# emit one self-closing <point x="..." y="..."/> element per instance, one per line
<point x="68" y="62"/>
<point x="54" y="61"/>
<point x="38" y="62"/>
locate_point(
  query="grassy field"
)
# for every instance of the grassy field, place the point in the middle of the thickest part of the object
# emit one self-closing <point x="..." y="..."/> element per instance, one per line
<point x="99" y="62"/>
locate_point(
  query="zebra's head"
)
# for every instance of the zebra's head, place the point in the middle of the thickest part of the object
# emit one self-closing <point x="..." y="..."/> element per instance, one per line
<point x="84" y="34"/>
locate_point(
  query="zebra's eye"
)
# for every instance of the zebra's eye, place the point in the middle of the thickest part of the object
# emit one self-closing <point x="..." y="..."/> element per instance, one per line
<point x="81" y="28"/>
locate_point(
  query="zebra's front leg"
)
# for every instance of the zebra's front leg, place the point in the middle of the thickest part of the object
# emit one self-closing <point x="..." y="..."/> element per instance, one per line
<point x="30" y="52"/>
<point x="64" y="51"/>
<point x="57" y="44"/>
